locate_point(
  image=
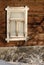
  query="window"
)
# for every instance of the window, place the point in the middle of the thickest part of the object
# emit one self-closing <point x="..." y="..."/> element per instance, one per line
<point x="16" y="23"/>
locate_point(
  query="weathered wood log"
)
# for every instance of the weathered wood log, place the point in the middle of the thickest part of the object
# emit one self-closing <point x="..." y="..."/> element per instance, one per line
<point x="35" y="21"/>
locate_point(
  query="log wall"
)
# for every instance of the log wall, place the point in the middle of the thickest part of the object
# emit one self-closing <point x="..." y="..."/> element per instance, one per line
<point x="35" y="22"/>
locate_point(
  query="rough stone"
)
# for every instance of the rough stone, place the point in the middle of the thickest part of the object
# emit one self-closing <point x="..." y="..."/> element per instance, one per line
<point x="33" y="55"/>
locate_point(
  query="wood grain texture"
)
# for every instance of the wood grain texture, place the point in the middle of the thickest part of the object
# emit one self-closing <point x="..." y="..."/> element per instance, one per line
<point x="35" y="22"/>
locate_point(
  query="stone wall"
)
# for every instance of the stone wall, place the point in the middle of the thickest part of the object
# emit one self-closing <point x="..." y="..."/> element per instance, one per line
<point x="35" y="22"/>
<point x="33" y="55"/>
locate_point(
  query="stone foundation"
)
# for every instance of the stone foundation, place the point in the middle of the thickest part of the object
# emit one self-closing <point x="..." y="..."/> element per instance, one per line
<point x="28" y="54"/>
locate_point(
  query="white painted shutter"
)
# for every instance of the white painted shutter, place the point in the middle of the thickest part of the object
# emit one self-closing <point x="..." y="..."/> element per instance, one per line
<point x="12" y="29"/>
<point x="20" y="28"/>
<point x="17" y="15"/>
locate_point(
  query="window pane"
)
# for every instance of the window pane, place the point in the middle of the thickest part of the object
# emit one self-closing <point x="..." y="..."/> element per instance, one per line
<point x="12" y="29"/>
<point x="17" y="15"/>
<point x="20" y="27"/>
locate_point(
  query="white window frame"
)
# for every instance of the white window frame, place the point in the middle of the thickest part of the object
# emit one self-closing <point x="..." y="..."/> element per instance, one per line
<point x="20" y="9"/>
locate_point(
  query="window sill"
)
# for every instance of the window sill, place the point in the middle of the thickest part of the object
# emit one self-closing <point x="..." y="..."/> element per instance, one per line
<point x="16" y="39"/>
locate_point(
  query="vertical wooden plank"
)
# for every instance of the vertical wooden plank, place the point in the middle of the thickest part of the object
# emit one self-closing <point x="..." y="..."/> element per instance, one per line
<point x="26" y="19"/>
<point x="8" y="16"/>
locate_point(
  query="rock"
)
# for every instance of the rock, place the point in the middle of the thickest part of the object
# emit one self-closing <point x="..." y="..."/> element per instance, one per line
<point x="32" y="55"/>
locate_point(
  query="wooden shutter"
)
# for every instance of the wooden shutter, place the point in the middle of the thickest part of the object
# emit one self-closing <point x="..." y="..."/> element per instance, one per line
<point x="12" y="29"/>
